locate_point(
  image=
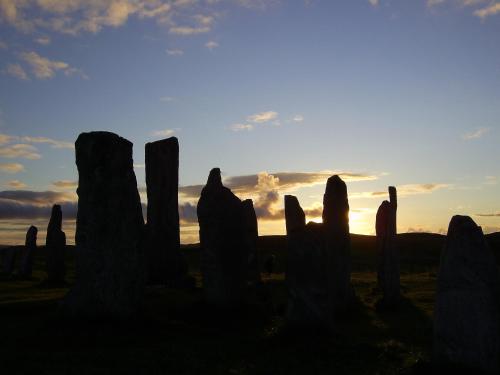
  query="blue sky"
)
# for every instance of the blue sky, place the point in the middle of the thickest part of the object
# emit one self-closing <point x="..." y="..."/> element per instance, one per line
<point x="401" y="93"/>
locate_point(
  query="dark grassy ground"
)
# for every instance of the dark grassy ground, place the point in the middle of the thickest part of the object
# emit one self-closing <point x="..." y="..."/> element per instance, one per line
<point x="179" y="334"/>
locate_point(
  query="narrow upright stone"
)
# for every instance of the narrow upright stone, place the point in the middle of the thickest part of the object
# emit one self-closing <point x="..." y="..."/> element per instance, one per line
<point x="27" y="253"/>
<point x="467" y="312"/>
<point x="388" y="270"/>
<point x="338" y="244"/>
<point x="55" y="246"/>
<point x="224" y="253"/>
<point x="252" y="237"/>
<point x="110" y="269"/>
<point x="9" y="256"/>
<point x="163" y="244"/>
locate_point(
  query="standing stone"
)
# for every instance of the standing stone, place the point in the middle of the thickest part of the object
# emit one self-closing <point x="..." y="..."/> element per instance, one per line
<point x="9" y="259"/>
<point x="338" y="244"/>
<point x="27" y="253"/>
<point x="165" y="262"/>
<point x="388" y="271"/>
<point x="252" y="237"/>
<point x="110" y="269"/>
<point x="319" y="268"/>
<point x="55" y="246"/>
<point x="224" y="253"/>
<point x="467" y="312"/>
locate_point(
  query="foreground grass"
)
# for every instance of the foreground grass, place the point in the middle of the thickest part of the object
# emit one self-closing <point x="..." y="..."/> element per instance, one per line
<point x="179" y="334"/>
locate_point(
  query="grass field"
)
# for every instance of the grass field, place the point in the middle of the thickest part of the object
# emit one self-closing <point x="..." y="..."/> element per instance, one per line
<point x="179" y="334"/>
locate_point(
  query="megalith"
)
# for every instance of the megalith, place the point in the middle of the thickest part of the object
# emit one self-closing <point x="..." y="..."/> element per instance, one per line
<point x="466" y="315"/>
<point x="27" y="253"/>
<point x="164" y="260"/>
<point x="224" y="254"/>
<point x="55" y="246"/>
<point x="252" y="237"/>
<point x="388" y="269"/>
<point x="110" y="265"/>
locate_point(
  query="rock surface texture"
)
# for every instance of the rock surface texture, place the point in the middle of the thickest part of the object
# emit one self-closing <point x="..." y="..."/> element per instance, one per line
<point x="466" y="315"/>
<point x="224" y="253"/>
<point x="110" y="265"/>
<point x="55" y="246"/>
<point x="388" y="270"/>
<point x="165" y="262"/>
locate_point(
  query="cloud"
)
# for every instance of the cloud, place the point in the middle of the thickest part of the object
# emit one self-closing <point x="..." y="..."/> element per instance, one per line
<point x="298" y="118"/>
<point x="43" y="68"/>
<point x="18" y="204"/>
<point x="286" y="182"/>
<point x="4" y="138"/>
<point x="188" y="30"/>
<point x="211" y="45"/>
<point x="16" y="184"/>
<point x="20" y="150"/>
<point x="11" y="167"/>
<point x="43" y="40"/>
<point x="403" y="190"/>
<point x="263" y="117"/>
<point x="175" y="52"/>
<point x="167" y="99"/>
<point x="489" y="214"/>
<point x="478" y="133"/>
<point x="163" y="133"/>
<point x="65" y="184"/>
<point x="16" y="70"/>
<point x="373" y="2"/>
<point x="241" y="127"/>
<point x="488" y="11"/>
<point x="52" y="142"/>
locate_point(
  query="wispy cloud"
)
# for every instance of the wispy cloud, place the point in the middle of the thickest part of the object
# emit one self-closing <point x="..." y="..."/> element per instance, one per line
<point x="167" y="99"/>
<point x="175" y="52"/>
<point x="211" y="45"/>
<point x="298" y="118"/>
<point x="478" y="133"/>
<point x="11" y="167"/>
<point x="65" y="184"/>
<point x="44" y="68"/>
<point x="188" y="30"/>
<point x="488" y="11"/>
<point x="263" y="117"/>
<point x="43" y="40"/>
<point x="20" y="150"/>
<point x="163" y="133"/>
<point x="16" y="70"/>
<point x="403" y="190"/>
<point x="373" y="2"/>
<point x="52" y="142"/>
<point x="16" y="184"/>
<point x="241" y="127"/>
<point x="489" y="214"/>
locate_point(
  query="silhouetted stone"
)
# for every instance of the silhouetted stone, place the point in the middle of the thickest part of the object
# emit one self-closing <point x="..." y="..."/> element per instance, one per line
<point x="252" y="236"/>
<point x="110" y="265"/>
<point x="55" y="245"/>
<point x="165" y="263"/>
<point x="270" y="263"/>
<point x="338" y="244"/>
<point x="466" y="316"/>
<point x="319" y="267"/>
<point x="9" y="259"/>
<point x="224" y="253"/>
<point x="388" y="271"/>
<point x="27" y="253"/>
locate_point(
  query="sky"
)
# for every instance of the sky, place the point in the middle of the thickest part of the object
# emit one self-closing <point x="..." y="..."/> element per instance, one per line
<point x="278" y="94"/>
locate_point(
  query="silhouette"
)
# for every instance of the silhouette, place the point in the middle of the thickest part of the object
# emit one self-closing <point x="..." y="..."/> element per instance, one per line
<point x="388" y="270"/>
<point x="224" y="254"/>
<point x="269" y="264"/>
<point x="27" y="252"/>
<point x="55" y="246"/>
<point x="466" y="315"/>
<point x="165" y="263"/>
<point x="110" y="269"/>
<point x="319" y="269"/>
<point x="252" y="236"/>
<point x="9" y="256"/>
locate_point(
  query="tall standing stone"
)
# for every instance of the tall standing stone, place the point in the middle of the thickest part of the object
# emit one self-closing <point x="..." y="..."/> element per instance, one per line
<point x="224" y="253"/>
<point x="319" y="267"/>
<point x="9" y="256"/>
<point x="338" y="244"/>
<point x="165" y="262"/>
<point x="467" y="311"/>
<point x="252" y="237"/>
<point x="388" y="270"/>
<point x="110" y="269"/>
<point x="27" y="253"/>
<point x="55" y="246"/>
